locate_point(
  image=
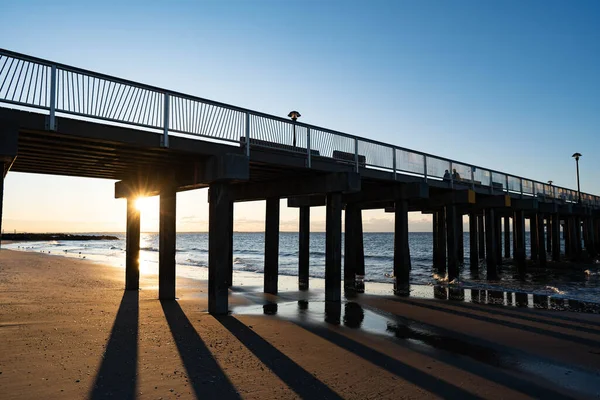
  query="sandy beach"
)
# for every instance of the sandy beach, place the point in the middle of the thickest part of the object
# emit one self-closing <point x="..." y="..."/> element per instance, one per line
<point x="69" y="331"/>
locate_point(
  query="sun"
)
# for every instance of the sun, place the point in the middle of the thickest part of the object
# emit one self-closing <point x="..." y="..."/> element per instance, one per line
<point x="143" y="204"/>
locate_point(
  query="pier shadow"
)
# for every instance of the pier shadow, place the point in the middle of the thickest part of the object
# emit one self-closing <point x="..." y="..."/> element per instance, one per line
<point x="204" y="373"/>
<point x="116" y="377"/>
<point x="415" y="376"/>
<point x="296" y="377"/>
<point x="493" y="320"/>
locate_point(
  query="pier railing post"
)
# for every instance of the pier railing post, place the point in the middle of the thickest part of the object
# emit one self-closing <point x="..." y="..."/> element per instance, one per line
<point x="248" y="138"/>
<point x="165" y="138"/>
<point x="394" y="155"/>
<point x="52" y="118"/>
<point x="308" y="151"/>
<point x="425" y="167"/>
<point x="356" y="153"/>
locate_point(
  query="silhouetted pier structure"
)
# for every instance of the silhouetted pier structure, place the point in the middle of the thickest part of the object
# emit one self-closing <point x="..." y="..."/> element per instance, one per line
<point x="61" y="120"/>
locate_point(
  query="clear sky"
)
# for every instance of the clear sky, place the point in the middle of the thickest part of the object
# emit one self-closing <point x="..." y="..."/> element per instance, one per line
<point x="509" y="85"/>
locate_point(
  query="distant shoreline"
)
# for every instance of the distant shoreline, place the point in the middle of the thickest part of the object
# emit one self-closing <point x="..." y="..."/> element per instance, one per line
<point x="53" y="236"/>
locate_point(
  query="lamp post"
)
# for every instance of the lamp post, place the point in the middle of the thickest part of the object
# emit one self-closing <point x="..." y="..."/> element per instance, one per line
<point x="576" y="157"/>
<point x="294" y="115"/>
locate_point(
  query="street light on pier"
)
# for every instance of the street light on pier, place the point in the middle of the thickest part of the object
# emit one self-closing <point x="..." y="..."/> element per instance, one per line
<point x="576" y="157"/>
<point x="294" y="115"/>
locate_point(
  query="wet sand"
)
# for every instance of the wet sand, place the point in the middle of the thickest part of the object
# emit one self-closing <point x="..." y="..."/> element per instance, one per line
<point x="68" y="330"/>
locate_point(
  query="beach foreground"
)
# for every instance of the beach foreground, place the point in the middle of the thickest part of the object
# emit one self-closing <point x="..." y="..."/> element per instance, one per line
<point x="68" y="330"/>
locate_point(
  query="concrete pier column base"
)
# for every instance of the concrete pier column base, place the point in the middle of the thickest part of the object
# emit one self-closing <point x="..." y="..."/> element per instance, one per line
<point x="271" y="270"/>
<point x="132" y="246"/>
<point x="333" y="247"/>
<point x="166" y="240"/>
<point x="304" y="248"/>
<point x="219" y="233"/>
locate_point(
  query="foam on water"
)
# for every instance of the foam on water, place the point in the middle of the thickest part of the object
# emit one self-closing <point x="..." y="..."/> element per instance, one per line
<point x="581" y="283"/>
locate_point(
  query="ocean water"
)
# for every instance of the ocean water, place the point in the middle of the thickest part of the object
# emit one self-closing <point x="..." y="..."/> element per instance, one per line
<point x="580" y="282"/>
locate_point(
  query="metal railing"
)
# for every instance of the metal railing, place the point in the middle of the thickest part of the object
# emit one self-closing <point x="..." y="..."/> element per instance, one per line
<point x="61" y="89"/>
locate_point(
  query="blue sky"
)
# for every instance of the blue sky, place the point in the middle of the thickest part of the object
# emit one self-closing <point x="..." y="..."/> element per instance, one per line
<point x="509" y="85"/>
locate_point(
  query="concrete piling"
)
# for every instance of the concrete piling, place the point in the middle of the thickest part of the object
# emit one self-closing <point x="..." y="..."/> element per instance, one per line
<point x="271" y="268"/>
<point x="166" y="239"/>
<point x="333" y="247"/>
<point x="132" y="246"/>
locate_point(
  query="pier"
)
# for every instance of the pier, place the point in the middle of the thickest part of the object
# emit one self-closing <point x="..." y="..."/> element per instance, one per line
<point x="61" y="120"/>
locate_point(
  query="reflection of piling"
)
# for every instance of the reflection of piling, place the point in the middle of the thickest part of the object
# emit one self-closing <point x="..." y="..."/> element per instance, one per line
<point x="440" y="292"/>
<point x="521" y="300"/>
<point x="495" y="297"/>
<point x="456" y="294"/>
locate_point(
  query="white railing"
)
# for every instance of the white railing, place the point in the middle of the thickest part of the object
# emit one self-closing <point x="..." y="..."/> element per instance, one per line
<point x="64" y="90"/>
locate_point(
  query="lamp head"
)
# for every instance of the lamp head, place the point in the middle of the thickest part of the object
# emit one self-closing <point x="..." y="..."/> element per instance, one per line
<point x="576" y="156"/>
<point x="550" y="183"/>
<point x="294" y="115"/>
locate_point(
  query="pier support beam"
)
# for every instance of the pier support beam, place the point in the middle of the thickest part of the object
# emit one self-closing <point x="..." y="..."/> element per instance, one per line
<point x="507" y="236"/>
<point x="166" y="240"/>
<point x="219" y="233"/>
<point x="490" y="241"/>
<point x="520" y="241"/>
<point x="1" y="203"/>
<point x="401" y="249"/>
<point x="460" y="243"/>
<point x="350" y="246"/>
<point x="578" y="247"/>
<point x="555" y="237"/>
<point x="303" y="248"/>
<point x="498" y="237"/>
<point x="271" y="274"/>
<point x="541" y="241"/>
<point x="473" y="245"/>
<point x="132" y="246"/>
<point x="333" y="247"/>
<point x="548" y="232"/>
<point x="533" y="236"/>
<point x="451" y="237"/>
<point x="481" y="229"/>
<point x="230" y="272"/>
<point x="590" y="247"/>
<point x="440" y="256"/>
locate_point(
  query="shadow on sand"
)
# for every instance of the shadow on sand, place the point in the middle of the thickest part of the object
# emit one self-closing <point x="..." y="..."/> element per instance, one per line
<point x="296" y="377"/>
<point x="116" y="377"/>
<point x="204" y="373"/>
